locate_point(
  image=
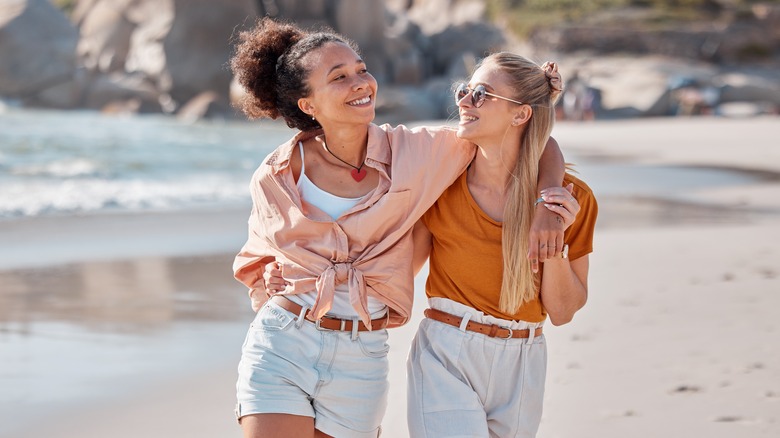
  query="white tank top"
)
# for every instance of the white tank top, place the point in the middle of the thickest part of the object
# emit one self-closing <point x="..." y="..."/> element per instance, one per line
<point x="335" y="206"/>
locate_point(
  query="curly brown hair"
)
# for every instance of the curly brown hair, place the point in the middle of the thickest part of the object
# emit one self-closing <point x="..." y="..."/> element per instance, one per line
<point x="268" y="63"/>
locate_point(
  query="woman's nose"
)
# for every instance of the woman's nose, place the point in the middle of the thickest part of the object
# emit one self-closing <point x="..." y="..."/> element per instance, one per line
<point x="359" y="83"/>
<point x="465" y="101"/>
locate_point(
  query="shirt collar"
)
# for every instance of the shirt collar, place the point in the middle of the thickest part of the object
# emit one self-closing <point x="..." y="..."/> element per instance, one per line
<point x="378" y="148"/>
<point x="280" y="158"/>
<point x="378" y="145"/>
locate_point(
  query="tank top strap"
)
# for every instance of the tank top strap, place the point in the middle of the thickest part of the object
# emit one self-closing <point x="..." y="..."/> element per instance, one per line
<point x="303" y="162"/>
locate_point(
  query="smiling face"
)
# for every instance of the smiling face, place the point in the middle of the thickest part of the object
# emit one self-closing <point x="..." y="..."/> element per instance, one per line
<point x="490" y="121"/>
<point x="342" y="89"/>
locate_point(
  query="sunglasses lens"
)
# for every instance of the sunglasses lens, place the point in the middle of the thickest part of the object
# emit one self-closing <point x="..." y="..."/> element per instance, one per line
<point x="478" y="96"/>
<point x="461" y="92"/>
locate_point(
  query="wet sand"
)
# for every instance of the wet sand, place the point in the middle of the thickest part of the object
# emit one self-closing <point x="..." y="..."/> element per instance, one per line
<point x="131" y="325"/>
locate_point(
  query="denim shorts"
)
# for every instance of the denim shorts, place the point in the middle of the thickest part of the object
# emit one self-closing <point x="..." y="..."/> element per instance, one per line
<point x="289" y="366"/>
<point x="466" y="384"/>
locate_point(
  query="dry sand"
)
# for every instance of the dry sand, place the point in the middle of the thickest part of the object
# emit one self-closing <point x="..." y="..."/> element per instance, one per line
<point x="679" y="337"/>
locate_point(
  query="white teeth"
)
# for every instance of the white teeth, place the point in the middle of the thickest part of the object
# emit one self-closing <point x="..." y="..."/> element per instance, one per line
<point x="468" y="118"/>
<point x="360" y="101"/>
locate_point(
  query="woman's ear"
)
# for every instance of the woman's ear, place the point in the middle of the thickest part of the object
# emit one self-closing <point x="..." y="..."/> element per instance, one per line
<point x="305" y="105"/>
<point x="522" y="115"/>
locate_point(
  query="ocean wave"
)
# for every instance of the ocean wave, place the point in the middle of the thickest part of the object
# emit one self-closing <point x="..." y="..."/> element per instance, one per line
<point x="44" y="197"/>
<point x="68" y="168"/>
<point x="73" y="162"/>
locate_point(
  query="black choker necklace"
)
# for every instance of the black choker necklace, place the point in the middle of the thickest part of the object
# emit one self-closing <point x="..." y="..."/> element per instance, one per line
<point x="357" y="172"/>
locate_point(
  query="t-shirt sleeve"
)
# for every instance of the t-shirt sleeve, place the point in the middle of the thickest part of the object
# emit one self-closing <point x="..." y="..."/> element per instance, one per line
<point x="579" y="236"/>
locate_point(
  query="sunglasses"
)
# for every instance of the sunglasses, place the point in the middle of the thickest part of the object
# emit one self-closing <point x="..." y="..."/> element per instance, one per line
<point x="478" y="95"/>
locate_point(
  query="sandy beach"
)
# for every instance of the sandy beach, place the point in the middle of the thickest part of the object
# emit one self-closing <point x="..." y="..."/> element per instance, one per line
<point x="130" y="325"/>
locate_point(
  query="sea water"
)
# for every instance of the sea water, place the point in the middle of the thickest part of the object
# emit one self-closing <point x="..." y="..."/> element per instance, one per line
<point x="56" y="162"/>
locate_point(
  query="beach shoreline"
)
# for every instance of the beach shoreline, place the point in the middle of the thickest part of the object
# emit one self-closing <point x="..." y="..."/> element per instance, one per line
<point x="677" y="339"/>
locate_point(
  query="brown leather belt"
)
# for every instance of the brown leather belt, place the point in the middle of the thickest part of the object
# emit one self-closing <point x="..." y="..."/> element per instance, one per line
<point x="492" y="330"/>
<point x="328" y="323"/>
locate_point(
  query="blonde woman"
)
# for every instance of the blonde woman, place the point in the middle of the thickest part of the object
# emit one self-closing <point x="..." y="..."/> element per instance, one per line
<point x="477" y="364"/>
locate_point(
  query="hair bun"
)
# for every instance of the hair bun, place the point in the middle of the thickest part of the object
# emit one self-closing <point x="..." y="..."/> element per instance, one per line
<point x="554" y="79"/>
<point x="255" y="60"/>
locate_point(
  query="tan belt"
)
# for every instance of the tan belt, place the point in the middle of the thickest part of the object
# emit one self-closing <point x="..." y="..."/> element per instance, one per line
<point x="328" y="323"/>
<point x="492" y="330"/>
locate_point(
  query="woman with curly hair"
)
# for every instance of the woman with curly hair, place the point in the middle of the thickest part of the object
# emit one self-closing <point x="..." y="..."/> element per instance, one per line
<point x="333" y="212"/>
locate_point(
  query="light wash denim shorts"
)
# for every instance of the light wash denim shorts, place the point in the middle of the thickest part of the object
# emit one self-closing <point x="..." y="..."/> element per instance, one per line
<point x="466" y="384"/>
<point x="289" y="366"/>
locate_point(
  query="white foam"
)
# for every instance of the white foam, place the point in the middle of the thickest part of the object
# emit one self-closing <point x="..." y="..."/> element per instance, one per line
<point x="33" y="198"/>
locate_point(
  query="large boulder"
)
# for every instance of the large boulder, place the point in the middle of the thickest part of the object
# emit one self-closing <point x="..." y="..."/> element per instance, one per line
<point x="400" y="104"/>
<point x="476" y="38"/>
<point x="105" y="30"/>
<point x="197" y="47"/>
<point x="364" y="22"/>
<point x="740" y="38"/>
<point x="750" y="86"/>
<point x="121" y="51"/>
<point x="435" y="16"/>
<point x="38" y="52"/>
<point x="405" y="47"/>
<point x="306" y="13"/>
<point x="180" y="47"/>
<point x="632" y="86"/>
<point x="116" y="89"/>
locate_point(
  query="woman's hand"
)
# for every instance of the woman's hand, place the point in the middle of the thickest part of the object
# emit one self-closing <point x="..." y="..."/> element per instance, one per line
<point x="274" y="282"/>
<point x="559" y="200"/>
<point x="545" y="237"/>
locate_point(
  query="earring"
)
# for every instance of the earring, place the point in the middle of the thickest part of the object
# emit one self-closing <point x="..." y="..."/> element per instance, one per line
<point x="312" y="117"/>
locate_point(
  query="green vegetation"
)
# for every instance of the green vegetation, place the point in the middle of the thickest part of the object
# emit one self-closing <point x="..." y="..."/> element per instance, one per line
<point x="754" y="51"/>
<point x="66" y="6"/>
<point x="523" y="16"/>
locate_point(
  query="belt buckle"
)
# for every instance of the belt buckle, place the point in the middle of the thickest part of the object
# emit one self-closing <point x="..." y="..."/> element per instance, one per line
<point x="509" y="336"/>
<point x="319" y="327"/>
<point x="323" y="329"/>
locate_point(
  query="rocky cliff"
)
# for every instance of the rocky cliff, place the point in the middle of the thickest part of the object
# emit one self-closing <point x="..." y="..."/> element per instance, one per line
<point x="171" y="56"/>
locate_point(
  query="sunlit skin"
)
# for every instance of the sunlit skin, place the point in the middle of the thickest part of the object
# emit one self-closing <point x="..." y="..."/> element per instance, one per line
<point x="491" y="124"/>
<point x="496" y="128"/>
<point x="342" y="99"/>
<point x="340" y="85"/>
<point x="497" y="125"/>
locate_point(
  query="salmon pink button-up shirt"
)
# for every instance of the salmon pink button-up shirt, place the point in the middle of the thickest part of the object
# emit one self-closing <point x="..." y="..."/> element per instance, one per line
<point x="370" y="246"/>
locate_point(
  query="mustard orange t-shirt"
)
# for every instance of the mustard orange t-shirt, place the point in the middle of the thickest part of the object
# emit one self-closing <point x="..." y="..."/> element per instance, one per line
<point x="466" y="260"/>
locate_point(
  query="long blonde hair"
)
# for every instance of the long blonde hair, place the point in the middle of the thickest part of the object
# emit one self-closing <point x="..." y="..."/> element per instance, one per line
<point x="531" y="86"/>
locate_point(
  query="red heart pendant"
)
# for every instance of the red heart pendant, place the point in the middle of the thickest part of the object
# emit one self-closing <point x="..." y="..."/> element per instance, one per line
<point x="359" y="174"/>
